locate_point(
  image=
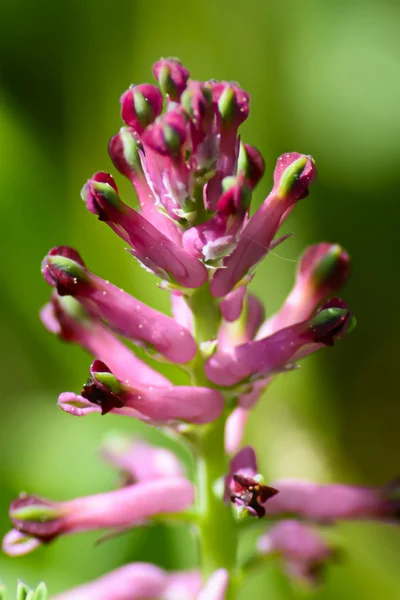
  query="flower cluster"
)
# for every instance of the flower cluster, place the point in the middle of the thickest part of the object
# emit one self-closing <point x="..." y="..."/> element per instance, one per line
<point x="194" y="180"/>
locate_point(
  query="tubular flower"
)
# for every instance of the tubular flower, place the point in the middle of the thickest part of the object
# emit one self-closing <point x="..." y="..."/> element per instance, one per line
<point x="44" y="520"/>
<point x="327" y="503"/>
<point x="195" y="230"/>
<point x="138" y="581"/>
<point x="303" y="551"/>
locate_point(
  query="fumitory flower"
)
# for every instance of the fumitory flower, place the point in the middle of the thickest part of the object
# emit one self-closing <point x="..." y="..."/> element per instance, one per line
<point x="195" y="229"/>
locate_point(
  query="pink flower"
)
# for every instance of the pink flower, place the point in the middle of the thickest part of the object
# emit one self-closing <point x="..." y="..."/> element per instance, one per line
<point x="153" y="249"/>
<point x="293" y="174"/>
<point x="45" y="520"/>
<point x="323" y="269"/>
<point x="326" y="503"/>
<point x="155" y="403"/>
<point x="281" y="350"/>
<point x="303" y="551"/>
<point x="140" y="461"/>
<point x="245" y="487"/>
<point x="137" y="581"/>
<point x="66" y="317"/>
<point x="64" y="269"/>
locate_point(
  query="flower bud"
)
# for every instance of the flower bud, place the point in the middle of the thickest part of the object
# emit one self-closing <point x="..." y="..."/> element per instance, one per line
<point x="303" y="551"/>
<point x="171" y="76"/>
<point x="167" y="135"/>
<point x="141" y="104"/>
<point x="232" y="103"/>
<point x="250" y="164"/>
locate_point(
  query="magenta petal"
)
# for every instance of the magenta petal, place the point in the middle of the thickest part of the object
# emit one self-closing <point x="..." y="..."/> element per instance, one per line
<point x="232" y="305"/>
<point x="135" y="581"/>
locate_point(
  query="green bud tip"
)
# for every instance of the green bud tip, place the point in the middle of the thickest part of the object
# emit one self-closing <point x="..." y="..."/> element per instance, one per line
<point x="131" y="150"/>
<point x="109" y="381"/>
<point x="22" y="591"/>
<point x="227" y="104"/>
<point x="291" y="175"/>
<point x="143" y="108"/>
<point x="172" y="138"/>
<point x="228" y="183"/>
<point x="36" y="512"/>
<point x="328" y="317"/>
<point x="41" y="592"/>
<point x="259" y="478"/>
<point x="107" y="192"/>
<point x="69" y="266"/>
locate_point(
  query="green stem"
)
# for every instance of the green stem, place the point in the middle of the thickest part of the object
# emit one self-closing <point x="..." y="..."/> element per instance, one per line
<point x="217" y="531"/>
<point x="216" y="526"/>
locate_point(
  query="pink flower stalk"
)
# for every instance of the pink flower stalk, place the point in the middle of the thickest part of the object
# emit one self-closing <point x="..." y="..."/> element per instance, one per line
<point x="303" y="551"/>
<point x="45" y="520"/>
<point x="157" y="403"/>
<point x="64" y="269"/>
<point x="327" y="503"/>
<point x="137" y="581"/>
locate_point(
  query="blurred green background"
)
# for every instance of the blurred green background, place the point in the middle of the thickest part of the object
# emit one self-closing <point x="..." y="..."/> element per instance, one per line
<point x="325" y="80"/>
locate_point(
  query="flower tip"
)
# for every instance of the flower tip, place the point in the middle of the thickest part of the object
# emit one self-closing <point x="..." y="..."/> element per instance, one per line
<point x="293" y="174"/>
<point x="103" y="388"/>
<point x="63" y="268"/>
<point x="250" y="164"/>
<point x="123" y="149"/>
<point x="172" y="77"/>
<point x="16" y="543"/>
<point x="140" y="105"/>
<point x="327" y="265"/>
<point x="232" y="103"/>
<point x="100" y="193"/>
<point x="168" y="134"/>
<point x="36" y="517"/>
<point x="332" y="322"/>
